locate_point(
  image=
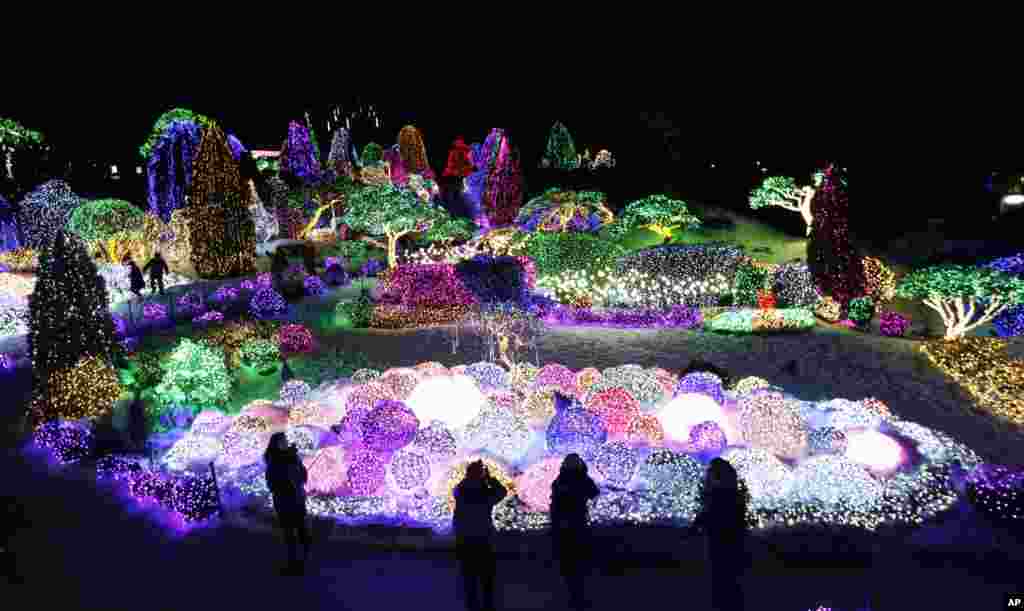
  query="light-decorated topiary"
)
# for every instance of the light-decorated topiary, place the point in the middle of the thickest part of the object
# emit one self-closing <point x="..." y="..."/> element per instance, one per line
<point x="372" y="153"/>
<point x="194" y="374"/>
<point x="573" y="265"/>
<point x="837" y="267"/>
<point x="956" y="293"/>
<point x="221" y="231"/>
<point x="783" y="192"/>
<point x="45" y="211"/>
<point x="164" y="121"/>
<point x="299" y="155"/>
<point x="169" y="167"/>
<point x="392" y="212"/>
<point x="560" y="152"/>
<point x="113" y="226"/>
<point x="87" y="389"/>
<point x="561" y="211"/>
<point x="413" y="152"/>
<point x="658" y="213"/>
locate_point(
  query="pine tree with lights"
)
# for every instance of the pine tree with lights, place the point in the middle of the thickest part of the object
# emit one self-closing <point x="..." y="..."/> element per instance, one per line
<point x="221" y="230"/>
<point x="413" y="152"/>
<point x="837" y="268"/>
<point x="69" y="320"/>
<point x="561" y="150"/>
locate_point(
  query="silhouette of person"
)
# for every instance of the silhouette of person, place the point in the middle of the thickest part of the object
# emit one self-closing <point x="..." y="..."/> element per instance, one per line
<point x="569" y="524"/>
<point x="286" y="478"/>
<point x="156" y="268"/>
<point x="137" y="424"/>
<point x="135" y="276"/>
<point x="723" y="519"/>
<point x="475" y="498"/>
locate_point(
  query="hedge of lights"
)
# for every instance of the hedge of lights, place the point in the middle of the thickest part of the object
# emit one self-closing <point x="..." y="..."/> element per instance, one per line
<point x="572" y="265"/>
<point x="747" y="321"/>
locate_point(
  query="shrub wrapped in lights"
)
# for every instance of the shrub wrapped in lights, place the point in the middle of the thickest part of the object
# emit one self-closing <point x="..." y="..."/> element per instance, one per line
<point x="880" y="281"/>
<point x="190" y="304"/>
<point x="575" y="429"/>
<point x="295" y="339"/>
<point x="294" y="391"/>
<point x="861" y="310"/>
<point x="389" y="426"/>
<point x="998" y="491"/>
<point x="260" y="354"/>
<point x="366" y="472"/>
<point x="893" y="324"/>
<point x="707" y="438"/>
<point x="86" y="390"/>
<point x="658" y="213"/>
<point x="267" y="303"/>
<point x="66" y="441"/>
<point x="299" y="157"/>
<point x="702" y="382"/>
<point x="408" y="470"/>
<point x="117" y="467"/>
<point x="314" y="286"/>
<point x="837" y="268"/>
<point x="793" y="286"/>
<point x="194" y="374"/>
<point x="671" y="275"/>
<point x="616" y="408"/>
<point x="192" y="452"/>
<point x="617" y="461"/>
<point x="110" y="226"/>
<point x="768" y="420"/>
<point x="20" y="260"/>
<point x="44" y="212"/>
<point x="561" y="211"/>
<point x="1010" y="322"/>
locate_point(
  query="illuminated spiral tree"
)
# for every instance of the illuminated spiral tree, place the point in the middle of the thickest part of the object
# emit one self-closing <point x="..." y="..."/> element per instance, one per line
<point x="109" y="225"/>
<point x="561" y="150"/>
<point x="956" y="293"/>
<point x="221" y="230"/>
<point x="460" y="163"/>
<point x="413" y="152"/>
<point x="169" y="167"/>
<point x="837" y="268"/>
<point x="45" y="211"/>
<point x="299" y="157"/>
<point x="68" y="318"/>
<point x="658" y="213"/>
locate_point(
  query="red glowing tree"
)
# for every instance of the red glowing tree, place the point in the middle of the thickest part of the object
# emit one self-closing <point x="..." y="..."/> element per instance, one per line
<point x="837" y="268"/>
<point x="459" y="162"/>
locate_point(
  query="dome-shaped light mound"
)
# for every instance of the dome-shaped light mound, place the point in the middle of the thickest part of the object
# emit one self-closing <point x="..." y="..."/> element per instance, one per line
<point x="326" y="470"/>
<point x="701" y="383"/>
<point x="366" y="396"/>
<point x="400" y="381"/>
<point x="306" y="439"/>
<point x="667" y="379"/>
<point x="827" y="440"/>
<point x="192" y="451"/>
<point x="686" y="411"/>
<point x="557" y="375"/>
<point x="499" y="432"/>
<point x="585" y="378"/>
<point x="876" y="451"/>
<point x="429" y="369"/>
<point x="539" y="406"/>
<point x="436" y="442"/>
<point x="574" y="429"/>
<point x="389" y="426"/>
<point x="294" y="391"/>
<point x="642" y="384"/>
<point x="366" y="472"/>
<point x="616" y="407"/>
<point x="617" y="462"/>
<point x="362" y="376"/>
<point x="454" y="400"/>
<point x="408" y="470"/>
<point x="645" y="429"/>
<point x="707" y="438"/>
<point x="535" y="483"/>
<point x="749" y="384"/>
<point x="488" y="376"/>
<point x="310" y="413"/>
<point x="837" y="482"/>
<point x="767" y="420"/>
<point x="766" y="476"/>
<point x="240" y="449"/>
<point x="211" y="422"/>
<point x="672" y="473"/>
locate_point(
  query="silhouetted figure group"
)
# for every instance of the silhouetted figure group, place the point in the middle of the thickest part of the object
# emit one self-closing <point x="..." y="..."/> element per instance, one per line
<point x="156" y="268"/>
<point x="286" y="478"/>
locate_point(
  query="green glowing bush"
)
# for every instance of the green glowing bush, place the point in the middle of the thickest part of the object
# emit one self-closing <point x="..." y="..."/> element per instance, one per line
<point x="148" y="371"/>
<point x="861" y="310"/>
<point x="357" y="312"/>
<point x="194" y="374"/>
<point x="749" y="279"/>
<point x="330" y="366"/>
<point x="575" y="267"/>
<point x="260" y="354"/>
<point x="372" y="153"/>
<point x="110" y="224"/>
<point x="658" y="213"/>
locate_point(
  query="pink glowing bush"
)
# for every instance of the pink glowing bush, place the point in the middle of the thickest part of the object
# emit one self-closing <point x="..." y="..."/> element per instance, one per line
<point x="558" y="376"/>
<point x="893" y="324"/>
<point x="326" y="470"/>
<point x="616" y="408"/>
<point x="211" y="422"/>
<point x="366" y="396"/>
<point x="400" y="382"/>
<point x="295" y="339"/>
<point x="427" y="286"/>
<point x="534" y="485"/>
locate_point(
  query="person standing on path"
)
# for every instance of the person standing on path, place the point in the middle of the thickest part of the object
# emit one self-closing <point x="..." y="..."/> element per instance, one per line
<point x="156" y="268"/>
<point x="286" y="478"/>
<point x="570" y="492"/>
<point x="723" y="520"/>
<point x="475" y="498"/>
<point x="137" y="282"/>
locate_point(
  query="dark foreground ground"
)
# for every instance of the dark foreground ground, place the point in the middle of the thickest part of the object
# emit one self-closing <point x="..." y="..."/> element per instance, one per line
<point x="86" y="550"/>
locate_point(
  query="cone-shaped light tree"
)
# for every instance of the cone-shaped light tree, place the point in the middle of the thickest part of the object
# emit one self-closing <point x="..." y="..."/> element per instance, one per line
<point x="837" y="268"/>
<point x="414" y="152"/>
<point x="561" y="150"/>
<point x="69" y="322"/>
<point x="221" y="230"/>
<point x="965" y="297"/>
<point x="342" y="153"/>
<point x="169" y="166"/>
<point x="299" y="157"/>
<point x="783" y="192"/>
<point x="389" y="211"/>
<point x="459" y="163"/>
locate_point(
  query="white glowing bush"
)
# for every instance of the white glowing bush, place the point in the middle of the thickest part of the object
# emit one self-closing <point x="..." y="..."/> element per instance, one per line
<point x="836" y="481"/>
<point x="408" y="470"/>
<point x="874" y="450"/>
<point x="454" y="400"/>
<point x="192" y="451"/>
<point x="770" y="421"/>
<point x="766" y="476"/>
<point x="688" y="410"/>
<point x="499" y="432"/>
<point x="211" y="422"/>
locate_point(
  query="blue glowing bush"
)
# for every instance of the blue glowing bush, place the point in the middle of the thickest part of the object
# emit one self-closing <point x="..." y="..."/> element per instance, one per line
<point x="575" y="429"/>
<point x="1010" y="322"/>
<point x="66" y="441"/>
<point x="371" y="268"/>
<point x="495" y="279"/>
<point x="267" y="303"/>
<point x="169" y="168"/>
<point x="9" y="237"/>
<point x="336" y="275"/>
<point x="702" y="383"/>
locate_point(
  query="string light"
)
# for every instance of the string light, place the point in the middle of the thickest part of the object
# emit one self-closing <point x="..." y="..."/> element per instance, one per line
<point x="534" y="484"/>
<point x="192" y="451"/>
<point x="768" y="420"/>
<point x="982" y="367"/>
<point x="617" y="461"/>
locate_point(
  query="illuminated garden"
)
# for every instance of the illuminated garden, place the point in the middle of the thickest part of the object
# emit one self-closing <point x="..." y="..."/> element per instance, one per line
<point x="396" y="331"/>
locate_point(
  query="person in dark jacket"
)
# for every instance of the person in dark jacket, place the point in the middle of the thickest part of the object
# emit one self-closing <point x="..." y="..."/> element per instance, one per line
<point x="156" y="268"/>
<point x="475" y="498"/>
<point x="570" y="523"/>
<point x="135" y="276"/>
<point x="286" y="478"/>
<point x="723" y="520"/>
<point x="137" y="424"/>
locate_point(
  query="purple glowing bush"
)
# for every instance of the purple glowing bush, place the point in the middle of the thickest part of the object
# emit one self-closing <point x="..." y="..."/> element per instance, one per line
<point x="154" y="312"/>
<point x="298" y="156"/>
<point x="680" y="317"/>
<point x="893" y="324"/>
<point x="267" y="303"/>
<point x="117" y="467"/>
<point x="120" y="325"/>
<point x="390" y="426"/>
<point x="169" y="168"/>
<point x="191" y="304"/>
<point x="224" y="296"/>
<point x="67" y="442"/>
<point x="152" y="486"/>
<point x="247" y="285"/>
<point x="702" y="383"/>
<point x="707" y="438"/>
<point x="371" y="268"/>
<point x="194" y="497"/>
<point x="684" y="317"/>
<point x="496" y="279"/>
<point x="336" y="275"/>
<point x="210" y="318"/>
<point x="575" y="429"/>
<point x="998" y="492"/>
<point x="314" y="286"/>
<point x="366" y="473"/>
<point x="1010" y="322"/>
<point x="430" y="286"/>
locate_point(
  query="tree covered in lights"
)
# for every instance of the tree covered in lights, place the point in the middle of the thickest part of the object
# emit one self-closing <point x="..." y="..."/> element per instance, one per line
<point x="783" y="192"/>
<point x="391" y="212"/>
<point x="448" y="230"/>
<point x="460" y="163"/>
<point x="837" y="268"/>
<point x="561" y="150"/>
<point x="495" y="190"/>
<point x="221" y="230"/>
<point x="560" y="211"/>
<point x="15" y="138"/>
<point x="965" y="297"/>
<point x="343" y="153"/>
<point x="299" y="157"/>
<point x="110" y="225"/>
<point x="45" y="211"/>
<point x="164" y="121"/>
<point x="169" y="166"/>
<point x="68" y="315"/>
<point x="413" y="152"/>
<point x="194" y="374"/>
<point x="658" y="213"/>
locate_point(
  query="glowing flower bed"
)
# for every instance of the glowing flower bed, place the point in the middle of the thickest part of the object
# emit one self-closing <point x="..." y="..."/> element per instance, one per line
<point x="981" y="366"/>
<point x="385" y="459"/>
<point x="747" y="321"/>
